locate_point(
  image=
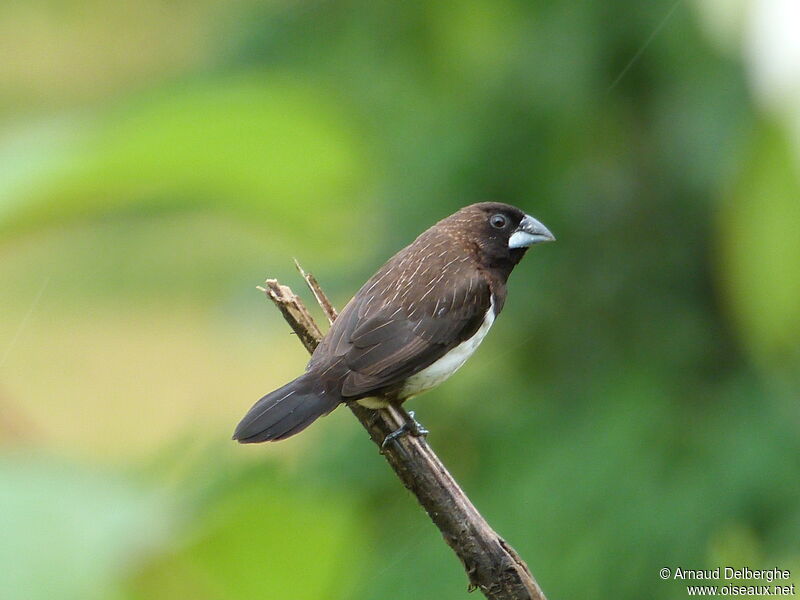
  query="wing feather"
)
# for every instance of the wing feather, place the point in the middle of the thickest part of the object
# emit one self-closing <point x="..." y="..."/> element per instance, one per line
<point x="407" y="316"/>
<point x="389" y="347"/>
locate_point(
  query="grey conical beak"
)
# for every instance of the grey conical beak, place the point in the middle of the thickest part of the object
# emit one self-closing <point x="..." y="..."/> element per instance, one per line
<point x="530" y="232"/>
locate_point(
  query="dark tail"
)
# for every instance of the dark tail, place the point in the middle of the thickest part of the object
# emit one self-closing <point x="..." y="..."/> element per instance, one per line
<point x="284" y="412"/>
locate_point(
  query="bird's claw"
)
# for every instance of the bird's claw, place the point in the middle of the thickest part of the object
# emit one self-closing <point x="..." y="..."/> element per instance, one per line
<point x="417" y="429"/>
<point x="412" y="427"/>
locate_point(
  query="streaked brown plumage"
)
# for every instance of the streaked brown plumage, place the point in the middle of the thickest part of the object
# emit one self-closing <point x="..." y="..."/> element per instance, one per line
<point x="411" y="325"/>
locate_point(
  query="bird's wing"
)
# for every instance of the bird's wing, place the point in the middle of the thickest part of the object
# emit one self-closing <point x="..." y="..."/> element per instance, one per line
<point x="382" y="341"/>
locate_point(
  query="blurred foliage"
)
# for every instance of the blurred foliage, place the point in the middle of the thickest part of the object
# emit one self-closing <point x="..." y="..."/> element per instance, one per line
<point x="67" y="532"/>
<point x="230" y="543"/>
<point x="238" y="145"/>
<point x="761" y="251"/>
<point x="636" y="406"/>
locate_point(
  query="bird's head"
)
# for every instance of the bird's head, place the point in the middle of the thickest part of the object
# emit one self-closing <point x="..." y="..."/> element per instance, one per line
<point x="499" y="233"/>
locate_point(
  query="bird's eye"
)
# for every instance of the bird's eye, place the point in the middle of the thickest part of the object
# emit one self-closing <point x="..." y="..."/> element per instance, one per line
<point x="498" y="221"/>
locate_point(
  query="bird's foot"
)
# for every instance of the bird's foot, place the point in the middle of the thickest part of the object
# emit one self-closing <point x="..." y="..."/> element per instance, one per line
<point x="417" y="429"/>
<point x="412" y="427"/>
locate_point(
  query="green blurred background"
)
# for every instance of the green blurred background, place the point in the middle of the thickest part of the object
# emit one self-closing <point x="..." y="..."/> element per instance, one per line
<point x="635" y="407"/>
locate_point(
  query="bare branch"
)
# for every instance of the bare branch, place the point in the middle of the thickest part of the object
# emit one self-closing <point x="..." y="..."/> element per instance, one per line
<point x="295" y="313"/>
<point x="492" y="566"/>
<point x="319" y="295"/>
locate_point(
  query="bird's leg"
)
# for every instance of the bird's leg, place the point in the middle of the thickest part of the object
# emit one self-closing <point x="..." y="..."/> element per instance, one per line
<point x="410" y="426"/>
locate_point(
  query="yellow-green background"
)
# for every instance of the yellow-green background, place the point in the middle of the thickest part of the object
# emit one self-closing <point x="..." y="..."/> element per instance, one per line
<point x="635" y="407"/>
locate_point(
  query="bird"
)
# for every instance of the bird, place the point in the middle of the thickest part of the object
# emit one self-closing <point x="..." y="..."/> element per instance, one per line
<point x="412" y="325"/>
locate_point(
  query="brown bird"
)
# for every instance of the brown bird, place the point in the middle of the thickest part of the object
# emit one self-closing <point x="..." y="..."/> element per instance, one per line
<point x="411" y="326"/>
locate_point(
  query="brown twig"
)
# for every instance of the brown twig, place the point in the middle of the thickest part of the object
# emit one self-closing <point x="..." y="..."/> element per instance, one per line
<point x="319" y="295"/>
<point x="491" y="564"/>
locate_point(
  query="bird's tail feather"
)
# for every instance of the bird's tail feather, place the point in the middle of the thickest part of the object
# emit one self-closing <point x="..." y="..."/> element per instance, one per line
<point x="284" y="412"/>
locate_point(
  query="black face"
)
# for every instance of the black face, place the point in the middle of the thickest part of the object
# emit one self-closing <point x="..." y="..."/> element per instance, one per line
<point x="498" y="233"/>
<point x="497" y="223"/>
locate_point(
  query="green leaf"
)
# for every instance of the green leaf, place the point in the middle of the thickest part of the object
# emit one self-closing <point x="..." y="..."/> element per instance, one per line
<point x="760" y="251"/>
<point x="257" y="146"/>
<point x="261" y="540"/>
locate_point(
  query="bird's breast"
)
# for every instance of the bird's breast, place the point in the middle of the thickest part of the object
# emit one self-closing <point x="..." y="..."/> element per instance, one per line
<point x="448" y="364"/>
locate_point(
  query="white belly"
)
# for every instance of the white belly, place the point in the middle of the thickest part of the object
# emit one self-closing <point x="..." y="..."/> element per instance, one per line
<point x="451" y="362"/>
